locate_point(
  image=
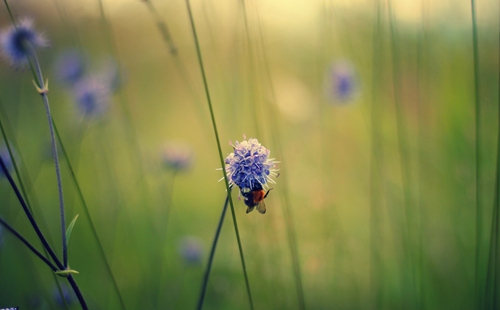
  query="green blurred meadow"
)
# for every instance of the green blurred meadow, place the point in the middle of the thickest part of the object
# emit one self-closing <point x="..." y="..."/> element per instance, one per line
<point x="388" y="200"/>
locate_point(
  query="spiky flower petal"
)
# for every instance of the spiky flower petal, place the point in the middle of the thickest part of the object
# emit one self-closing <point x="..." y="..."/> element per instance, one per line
<point x="249" y="165"/>
<point x="18" y="41"/>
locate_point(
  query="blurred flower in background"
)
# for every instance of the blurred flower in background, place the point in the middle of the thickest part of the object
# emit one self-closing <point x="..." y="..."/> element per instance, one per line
<point x="250" y="165"/>
<point x="68" y="295"/>
<point x="177" y="156"/>
<point x="17" y="42"/>
<point x="93" y="98"/>
<point x="191" y="250"/>
<point x="4" y="153"/>
<point x="92" y="91"/>
<point x="70" y="67"/>
<point x="341" y="84"/>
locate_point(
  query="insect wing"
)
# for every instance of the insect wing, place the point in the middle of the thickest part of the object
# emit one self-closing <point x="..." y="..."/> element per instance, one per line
<point x="261" y="207"/>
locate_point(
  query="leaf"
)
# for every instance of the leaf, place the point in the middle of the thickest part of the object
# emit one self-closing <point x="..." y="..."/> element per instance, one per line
<point x="65" y="273"/>
<point x="70" y="229"/>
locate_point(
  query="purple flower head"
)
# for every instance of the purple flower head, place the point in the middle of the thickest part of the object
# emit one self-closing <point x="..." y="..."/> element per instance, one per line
<point x="70" y="67"/>
<point x="249" y="165"/>
<point x="341" y="83"/>
<point x="92" y="97"/>
<point x="19" y="41"/>
<point x="177" y="156"/>
<point x="191" y="250"/>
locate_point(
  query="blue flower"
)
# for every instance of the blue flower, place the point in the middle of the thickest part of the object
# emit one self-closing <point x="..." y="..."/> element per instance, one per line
<point x="191" y="250"/>
<point x="341" y="83"/>
<point x="16" y="41"/>
<point x="92" y="97"/>
<point x="4" y="153"/>
<point x="177" y="156"/>
<point x="70" y="67"/>
<point x="249" y="165"/>
<point x="68" y="295"/>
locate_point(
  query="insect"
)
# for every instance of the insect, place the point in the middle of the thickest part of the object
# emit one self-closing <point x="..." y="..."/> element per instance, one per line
<point x="255" y="198"/>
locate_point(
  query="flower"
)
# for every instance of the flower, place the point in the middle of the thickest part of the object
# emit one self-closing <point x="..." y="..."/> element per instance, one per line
<point x="18" y="41"/>
<point x="68" y="295"/>
<point x="250" y="165"/>
<point x="191" y="250"/>
<point x="70" y="67"/>
<point x="341" y="83"/>
<point x="4" y="153"/>
<point x="177" y="156"/>
<point x="92" y="97"/>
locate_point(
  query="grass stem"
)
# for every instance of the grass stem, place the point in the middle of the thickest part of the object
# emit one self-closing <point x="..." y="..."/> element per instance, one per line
<point x="221" y="157"/>
<point x="206" y="275"/>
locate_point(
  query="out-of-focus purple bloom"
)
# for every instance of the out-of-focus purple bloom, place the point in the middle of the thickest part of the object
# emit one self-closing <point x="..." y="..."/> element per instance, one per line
<point x="67" y="295"/>
<point x="177" y="156"/>
<point x="70" y="67"/>
<point x="92" y="97"/>
<point x="191" y="250"/>
<point x="4" y="153"/>
<point x="18" y="42"/>
<point x="341" y="83"/>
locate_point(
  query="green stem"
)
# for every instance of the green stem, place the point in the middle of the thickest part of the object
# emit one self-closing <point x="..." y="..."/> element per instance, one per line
<point x="376" y="266"/>
<point x="91" y="222"/>
<point x="40" y="235"/>
<point x="221" y="157"/>
<point x="477" y="110"/>
<point x="28" y="244"/>
<point x="45" y="98"/>
<point x="404" y="163"/>
<point x="30" y="215"/>
<point x="287" y="210"/>
<point x="212" y="254"/>
<point x="162" y="27"/>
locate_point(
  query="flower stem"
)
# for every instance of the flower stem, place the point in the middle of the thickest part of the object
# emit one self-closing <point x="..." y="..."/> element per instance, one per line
<point x="78" y="293"/>
<point x="409" y="272"/>
<point x="29" y="214"/>
<point x="40" y="235"/>
<point x="221" y="157"/>
<point x="212" y="253"/>
<point x="479" y="214"/>
<point x="87" y="213"/>
<point x="44" y="88"/>
<point x="28" y="244"/>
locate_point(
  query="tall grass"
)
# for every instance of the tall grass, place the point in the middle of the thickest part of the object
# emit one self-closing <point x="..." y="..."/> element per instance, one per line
<point x="386" y="201"/>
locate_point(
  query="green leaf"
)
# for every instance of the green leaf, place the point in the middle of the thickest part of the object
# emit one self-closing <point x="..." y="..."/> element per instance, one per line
<point x="70" y="229"/>
<point x="65" y="273"/>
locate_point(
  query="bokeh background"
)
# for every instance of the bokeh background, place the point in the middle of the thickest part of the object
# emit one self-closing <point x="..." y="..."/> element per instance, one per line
<point x="383" y="200"/>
